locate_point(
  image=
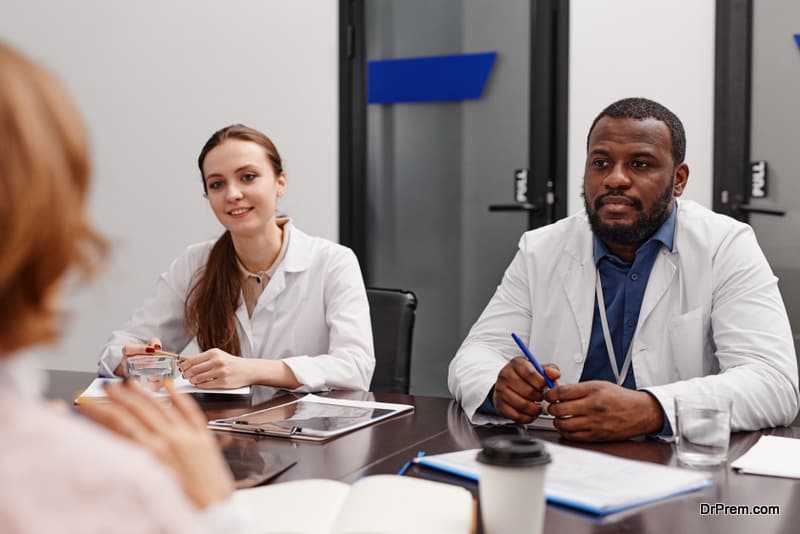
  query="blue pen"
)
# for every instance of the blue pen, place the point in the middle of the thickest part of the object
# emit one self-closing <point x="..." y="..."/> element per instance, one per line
<point x="531" y="359"/>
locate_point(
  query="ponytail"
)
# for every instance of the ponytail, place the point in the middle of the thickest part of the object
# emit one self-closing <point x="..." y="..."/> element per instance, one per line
<point x="213" y="299"/>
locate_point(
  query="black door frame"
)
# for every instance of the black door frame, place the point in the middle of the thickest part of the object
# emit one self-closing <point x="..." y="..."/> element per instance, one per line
<point x="547" y="153"/>
<point x="548" y="112"/>
<point x="353" y="130"/>
<point x="732" y="106"/>
<point x="549" y="98"/>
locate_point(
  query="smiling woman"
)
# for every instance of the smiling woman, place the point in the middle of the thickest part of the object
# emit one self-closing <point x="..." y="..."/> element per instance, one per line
<point x="267" y="303"/>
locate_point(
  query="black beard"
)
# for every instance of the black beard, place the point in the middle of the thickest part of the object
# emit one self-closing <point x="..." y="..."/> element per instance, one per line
<point x="638" y="232"/>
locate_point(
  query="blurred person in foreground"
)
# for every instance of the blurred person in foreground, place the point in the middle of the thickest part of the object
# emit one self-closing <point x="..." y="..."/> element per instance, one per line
<point x="61" y="473"/>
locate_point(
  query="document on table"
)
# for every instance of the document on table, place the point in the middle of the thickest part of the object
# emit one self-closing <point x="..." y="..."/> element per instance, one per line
<point x="97" y="391"/>
<point x="591" y="481"/>
<point x="773" y="456"/>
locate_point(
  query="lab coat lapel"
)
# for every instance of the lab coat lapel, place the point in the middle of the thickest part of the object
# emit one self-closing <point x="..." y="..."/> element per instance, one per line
<point x="298" y="258"/>
<point x="276" y="285"/>
<point x="246" y="344"/>
<point x="577" y="280"/>
<point x="661" y="276"/>
<point x="268" y="300"/>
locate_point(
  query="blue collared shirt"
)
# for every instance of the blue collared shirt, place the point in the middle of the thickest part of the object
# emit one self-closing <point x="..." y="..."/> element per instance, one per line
<point x="624" y="285"/>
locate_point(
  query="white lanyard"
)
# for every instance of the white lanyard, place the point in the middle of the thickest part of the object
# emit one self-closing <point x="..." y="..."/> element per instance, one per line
<point x="601" y="304"/>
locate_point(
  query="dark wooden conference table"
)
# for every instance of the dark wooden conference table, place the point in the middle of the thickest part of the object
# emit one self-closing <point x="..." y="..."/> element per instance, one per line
<point x="439" y="425"/>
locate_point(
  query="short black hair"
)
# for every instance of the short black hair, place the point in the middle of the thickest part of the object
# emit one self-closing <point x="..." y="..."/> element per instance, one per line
<point x="642" y="108"/>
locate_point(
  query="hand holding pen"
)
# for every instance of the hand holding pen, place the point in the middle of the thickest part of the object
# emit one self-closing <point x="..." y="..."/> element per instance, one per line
<point x="519" y="389"/>
<point x="536" y="365"/>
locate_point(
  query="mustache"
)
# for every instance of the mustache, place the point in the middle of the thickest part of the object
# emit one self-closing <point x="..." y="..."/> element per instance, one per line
<point x="617" y="197"/>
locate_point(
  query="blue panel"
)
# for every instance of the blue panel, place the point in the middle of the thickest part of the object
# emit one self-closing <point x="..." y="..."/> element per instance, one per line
<point x="797" y="39"/>
<point x="427" y="79"/>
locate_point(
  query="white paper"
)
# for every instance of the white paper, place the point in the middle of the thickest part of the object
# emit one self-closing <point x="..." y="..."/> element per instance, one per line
<point x="771" y="455"/>
<point x="97" y="391"/>
<point x="300" y="507"/>
<point x="380" y="504"/>
<point x="592" y="481"/>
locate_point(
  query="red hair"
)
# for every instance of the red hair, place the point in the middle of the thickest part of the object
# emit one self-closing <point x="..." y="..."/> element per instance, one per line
<point x="44" y="174"/>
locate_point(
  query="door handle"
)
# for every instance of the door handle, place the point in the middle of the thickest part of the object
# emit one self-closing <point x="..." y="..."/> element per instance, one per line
<point x="749" y="208"/>
<point x="527" y="206"/>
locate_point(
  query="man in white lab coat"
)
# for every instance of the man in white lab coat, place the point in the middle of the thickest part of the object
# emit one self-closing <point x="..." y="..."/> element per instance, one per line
<point x="632" y="302"/>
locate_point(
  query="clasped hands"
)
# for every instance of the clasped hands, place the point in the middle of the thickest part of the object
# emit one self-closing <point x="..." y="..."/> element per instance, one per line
<point x="587" y="411"/>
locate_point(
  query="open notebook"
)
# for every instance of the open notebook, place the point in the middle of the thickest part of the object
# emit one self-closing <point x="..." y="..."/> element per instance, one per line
<point x="97" y="392"/>
<point x="380" y="504"/>
<point x="590" y="481"/>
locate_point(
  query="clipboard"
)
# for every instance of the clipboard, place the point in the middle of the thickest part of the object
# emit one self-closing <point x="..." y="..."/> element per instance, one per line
<point x="311" y="418"/>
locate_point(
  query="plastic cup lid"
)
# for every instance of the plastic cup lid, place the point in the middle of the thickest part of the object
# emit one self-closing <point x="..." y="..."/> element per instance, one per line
<point x="513" y="451"/>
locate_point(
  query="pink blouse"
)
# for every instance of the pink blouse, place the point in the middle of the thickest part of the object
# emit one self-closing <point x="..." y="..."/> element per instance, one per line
<point x="61" y="473"/>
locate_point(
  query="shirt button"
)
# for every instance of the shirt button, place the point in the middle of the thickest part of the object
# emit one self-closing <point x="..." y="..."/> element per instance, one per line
<point x="635" y="276"/>
<point x="578" y="357"/>
<point x="630" y="323"/>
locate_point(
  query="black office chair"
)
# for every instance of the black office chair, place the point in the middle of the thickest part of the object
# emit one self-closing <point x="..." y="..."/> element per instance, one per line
<point x="392" y="312"/>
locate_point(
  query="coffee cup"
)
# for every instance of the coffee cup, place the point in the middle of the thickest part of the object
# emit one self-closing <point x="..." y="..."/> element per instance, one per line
<point x="511" y="486"/>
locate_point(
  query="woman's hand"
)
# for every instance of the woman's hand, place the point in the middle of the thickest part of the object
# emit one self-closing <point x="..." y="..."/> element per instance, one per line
<point x="216" y="369"/>
<point x="175" y="432"/>
<point x="135" y="349"/>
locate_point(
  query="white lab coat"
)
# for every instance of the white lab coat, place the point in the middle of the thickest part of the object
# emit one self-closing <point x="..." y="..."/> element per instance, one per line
<point x="313" y="315"/>
<point x="712" y="320"/>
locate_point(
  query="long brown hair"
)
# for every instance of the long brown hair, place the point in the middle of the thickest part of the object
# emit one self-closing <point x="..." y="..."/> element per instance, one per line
<point x="44" y="175"/>
<point x="214" y="295"/>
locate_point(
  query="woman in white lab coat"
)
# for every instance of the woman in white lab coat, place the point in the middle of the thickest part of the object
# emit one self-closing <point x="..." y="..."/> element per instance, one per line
<point x="267" y="303"/>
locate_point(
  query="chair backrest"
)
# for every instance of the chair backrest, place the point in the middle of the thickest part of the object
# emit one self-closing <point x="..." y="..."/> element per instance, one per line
<point x="392" y="312"/>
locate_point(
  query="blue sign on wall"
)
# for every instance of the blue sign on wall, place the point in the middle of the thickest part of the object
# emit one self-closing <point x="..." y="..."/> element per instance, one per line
<point x="797" y="39"/>
<point x="427" y="79"/>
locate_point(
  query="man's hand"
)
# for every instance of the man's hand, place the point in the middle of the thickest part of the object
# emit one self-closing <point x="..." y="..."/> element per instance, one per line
<point x="519" y="390"/>
<point x="602" y="411"/>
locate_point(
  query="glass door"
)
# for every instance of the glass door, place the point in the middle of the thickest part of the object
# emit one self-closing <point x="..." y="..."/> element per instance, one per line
<point x="434" y="166"/>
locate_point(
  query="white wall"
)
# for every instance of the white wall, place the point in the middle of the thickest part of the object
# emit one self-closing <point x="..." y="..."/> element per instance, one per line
<point x="658" y="49"/>
<point x="154" y="79"/>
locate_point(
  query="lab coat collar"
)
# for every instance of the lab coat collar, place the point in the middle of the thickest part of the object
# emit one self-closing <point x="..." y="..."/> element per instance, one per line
<point x="299" y="251"/>
<point x="578" y="279"/>
<point x="298" y="258"/>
